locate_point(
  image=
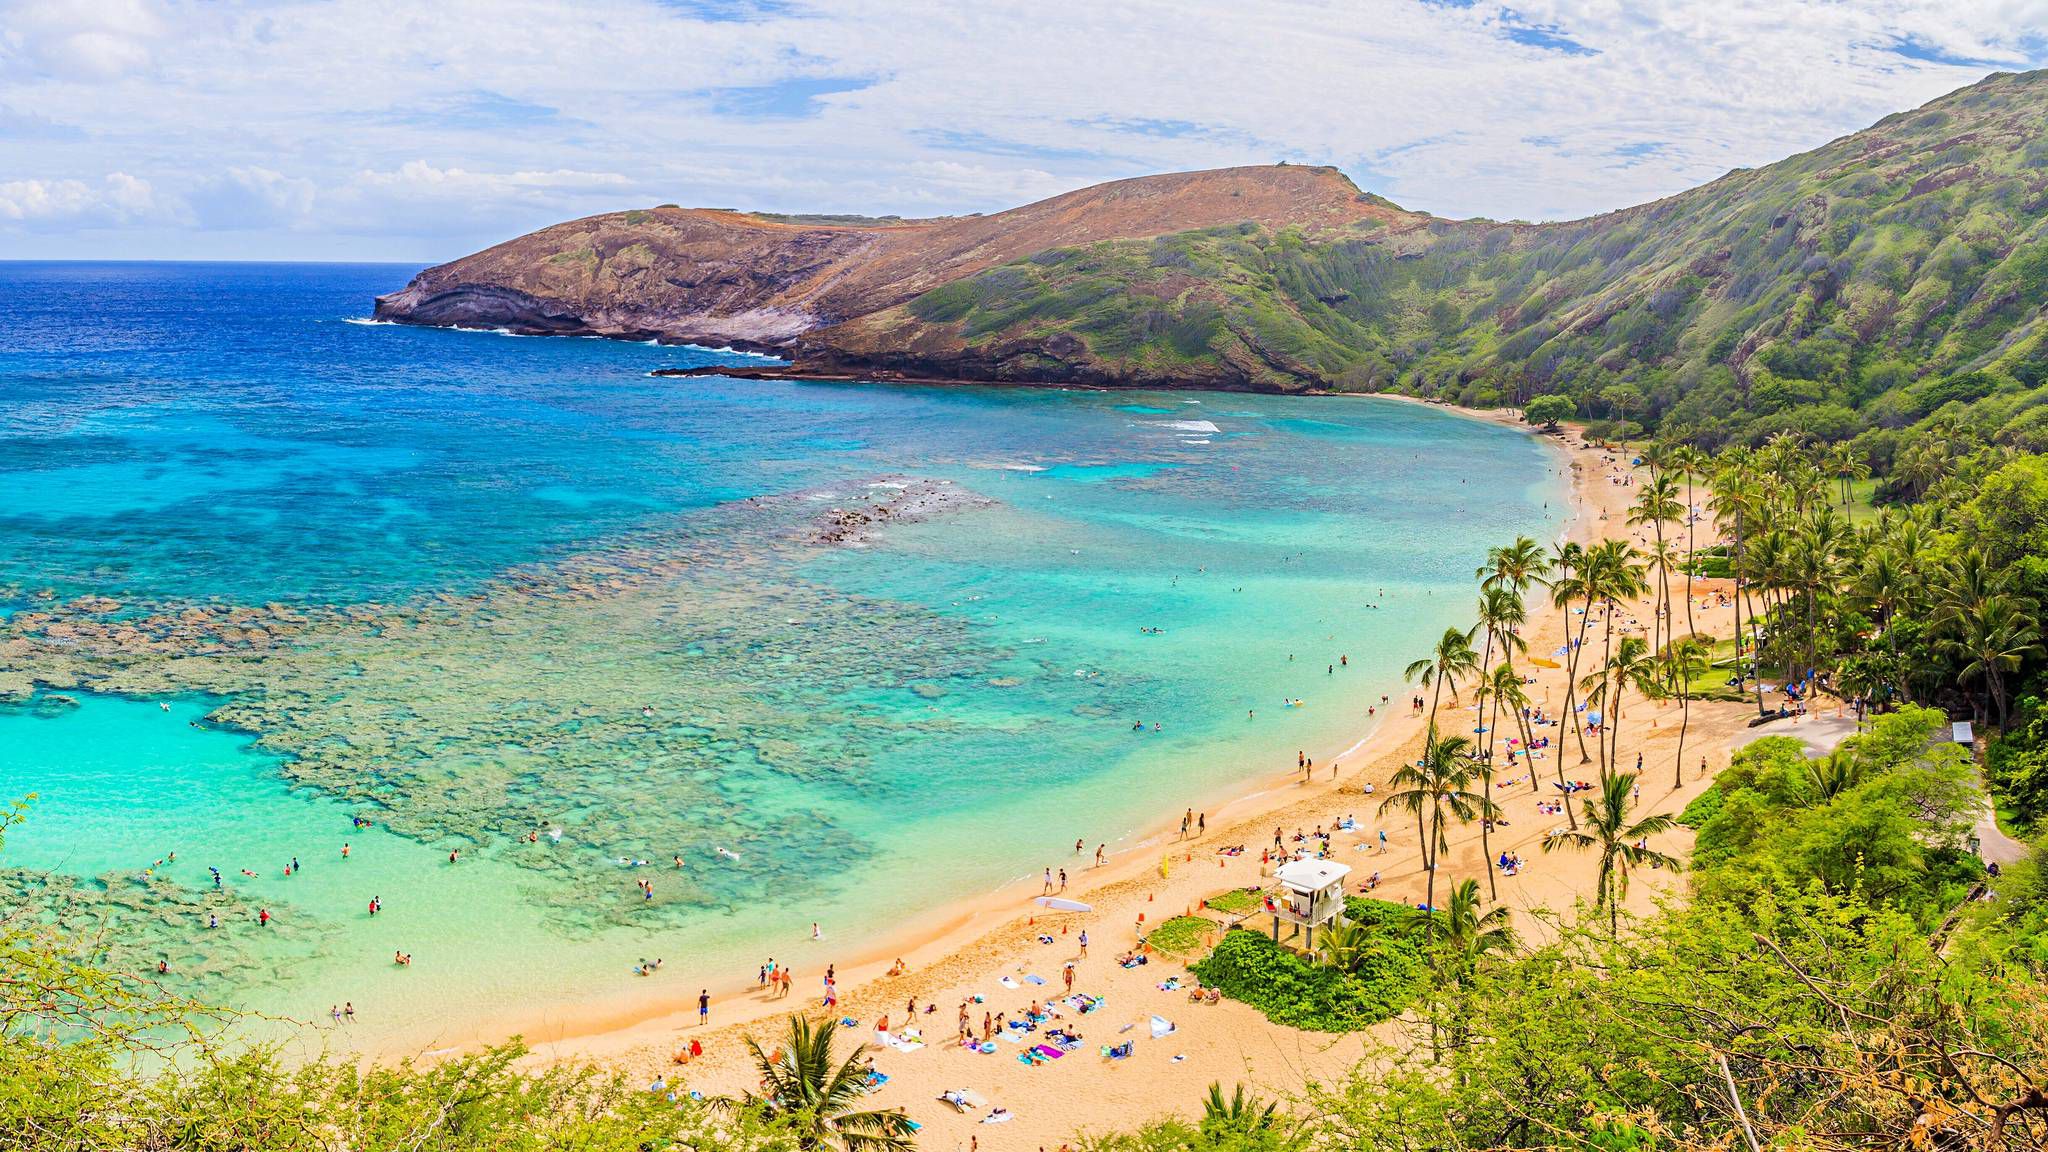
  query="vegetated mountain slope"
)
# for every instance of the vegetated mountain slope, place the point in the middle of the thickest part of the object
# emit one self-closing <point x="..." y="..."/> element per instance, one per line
<point x="719" y="275"/>
<point x="1862" y="285"/>
<point x="1851" y="284"/>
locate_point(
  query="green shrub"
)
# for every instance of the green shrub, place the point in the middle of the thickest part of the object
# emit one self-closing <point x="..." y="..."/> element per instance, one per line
<point x="1289" y="990"/>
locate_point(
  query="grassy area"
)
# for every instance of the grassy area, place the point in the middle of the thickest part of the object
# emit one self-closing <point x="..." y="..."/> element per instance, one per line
<point x="1237" y="901"/>
<point x="1713" y="684"/>
<point x="1861" y="510"/>
<point x="1182" y="935"/>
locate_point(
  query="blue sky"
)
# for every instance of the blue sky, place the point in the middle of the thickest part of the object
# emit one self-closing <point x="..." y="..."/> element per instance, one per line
<point x="389" y="129"/>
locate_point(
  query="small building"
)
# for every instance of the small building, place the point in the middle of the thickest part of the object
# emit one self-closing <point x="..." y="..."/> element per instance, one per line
<point x="1310" y="895"/>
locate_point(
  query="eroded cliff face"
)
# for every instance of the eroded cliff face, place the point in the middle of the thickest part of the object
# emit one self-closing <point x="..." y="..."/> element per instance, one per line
<point x="761" y="281"/>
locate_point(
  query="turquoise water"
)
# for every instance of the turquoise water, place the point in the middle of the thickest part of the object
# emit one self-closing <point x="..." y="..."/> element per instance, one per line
<point x="483" y="590"/>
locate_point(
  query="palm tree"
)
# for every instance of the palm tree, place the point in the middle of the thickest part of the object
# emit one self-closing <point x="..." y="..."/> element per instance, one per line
<point x="1507" y="692"/>
<point x="1845" y="463"/>
<point x="1432" y="786"/>
<point x="1656" y="504"/>
<point x="1886" y="584"/>
<point x="803" y="1085"/>
<point x="1343" y="943"/>
<point x="1245" y="1122"/>
<point x="1572" y="584"/>
<point x="1687" y="661"/>
<point x="1735" y="497"/>
<point x="1501" y="614"/>
<point x="1611" y="575"/>
<point x="1452" y="659"/>
<point x="1620" y="843"/>
<point x="1470" y="935"/>
<point x="1515" y="566"/>
<point x="1631" y="666"/>
<point x="1690" y="462"/>
<point x="1990" y="642"/>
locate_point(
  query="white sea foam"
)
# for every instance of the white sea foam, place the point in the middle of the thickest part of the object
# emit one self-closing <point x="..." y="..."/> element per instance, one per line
<point x="1196" y="441"/>
<point x="369" y="322"/>
<point x="729" y="352"/>
<point x="1185" y="425"/>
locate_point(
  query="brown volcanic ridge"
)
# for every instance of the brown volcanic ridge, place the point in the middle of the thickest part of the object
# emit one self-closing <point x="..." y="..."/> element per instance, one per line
<point x="1918" y="240"/>
<point x="760" y="282"/>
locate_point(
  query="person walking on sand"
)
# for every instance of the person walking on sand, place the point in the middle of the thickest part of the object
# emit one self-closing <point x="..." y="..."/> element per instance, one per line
<point x="1048" y="882"/>
<point x="1098" y="854"/>
<point x="1084" y="943"/>
<point x="703" y="1007"/>
<point x="1063" y="879"/>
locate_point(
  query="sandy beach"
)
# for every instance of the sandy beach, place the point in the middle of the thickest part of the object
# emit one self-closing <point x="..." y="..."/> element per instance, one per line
<point x="967" y="952"/>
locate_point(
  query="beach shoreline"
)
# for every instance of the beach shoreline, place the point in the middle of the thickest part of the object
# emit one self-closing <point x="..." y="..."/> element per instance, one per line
<point x="979" y="954"/>
<point x="584" y="1028"/>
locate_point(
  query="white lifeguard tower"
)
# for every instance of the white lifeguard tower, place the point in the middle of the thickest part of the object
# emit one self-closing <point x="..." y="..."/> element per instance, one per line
<point x="1310" y="894"/>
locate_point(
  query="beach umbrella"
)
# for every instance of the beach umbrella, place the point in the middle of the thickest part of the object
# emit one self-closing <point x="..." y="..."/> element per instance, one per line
<point x="1061" y="904"/>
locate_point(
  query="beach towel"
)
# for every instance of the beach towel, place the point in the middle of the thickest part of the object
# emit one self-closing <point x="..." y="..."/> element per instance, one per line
<point x="999" y="1116"/>
<point x="1034" y="979"/>
<point x="1161" y="1026"/>
<point x="1007" y="982"/>
<point x="1049" y="1052"/>
<point x="1171" y="985"/>
<point x="1009" y="1036"/>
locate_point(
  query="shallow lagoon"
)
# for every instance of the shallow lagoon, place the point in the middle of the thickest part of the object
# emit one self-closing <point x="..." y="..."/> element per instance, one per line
<point x="474" y="587"/>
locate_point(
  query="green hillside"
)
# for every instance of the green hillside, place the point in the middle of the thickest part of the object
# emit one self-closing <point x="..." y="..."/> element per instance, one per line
<point x="1864" y="285"/>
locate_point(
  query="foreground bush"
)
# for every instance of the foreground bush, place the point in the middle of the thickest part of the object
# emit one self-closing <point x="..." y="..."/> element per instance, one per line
<point x="1289" y="990"/>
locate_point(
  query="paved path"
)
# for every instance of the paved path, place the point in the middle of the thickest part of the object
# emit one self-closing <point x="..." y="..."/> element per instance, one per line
<point x="1820" y="735"/>
<point x="1993" y="845"/>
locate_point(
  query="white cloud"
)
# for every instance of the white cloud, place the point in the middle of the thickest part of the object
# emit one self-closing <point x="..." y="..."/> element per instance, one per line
<point x="252" y="198"/>
<point x="100" y="40"/>
<point x="118" y="198"/>
<point x="393" y="127"/>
